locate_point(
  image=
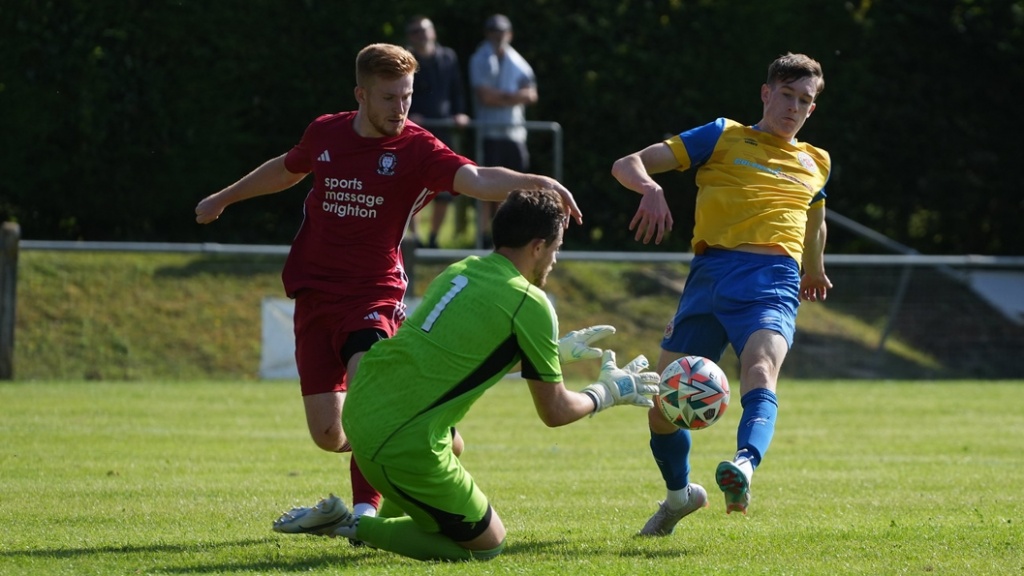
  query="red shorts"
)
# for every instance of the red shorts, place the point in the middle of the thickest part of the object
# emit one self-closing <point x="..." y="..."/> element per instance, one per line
<point x="323" y="323"/>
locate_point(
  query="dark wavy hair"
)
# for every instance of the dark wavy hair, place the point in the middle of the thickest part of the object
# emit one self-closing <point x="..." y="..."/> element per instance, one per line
<point x="527" y="215"/>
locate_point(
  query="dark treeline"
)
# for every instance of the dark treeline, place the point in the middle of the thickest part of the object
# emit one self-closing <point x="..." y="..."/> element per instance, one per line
<point x="117" y="116"/>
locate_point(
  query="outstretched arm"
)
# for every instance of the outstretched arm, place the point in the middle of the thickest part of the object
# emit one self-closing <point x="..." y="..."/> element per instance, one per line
<point x="556" y="405"/>
<point x="626" y="386"/>
<point x="270" y="177"/>
<point x="652" y="218"/>
<point x="814" y="284"/>
<point x="493" y="183"/>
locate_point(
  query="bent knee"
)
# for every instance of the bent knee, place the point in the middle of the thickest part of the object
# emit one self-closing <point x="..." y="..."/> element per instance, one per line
<point x="487" y="534"/>
<point x="331" y="440"/>
<point x="657" y="421"/>
<point x="484" y="555"/>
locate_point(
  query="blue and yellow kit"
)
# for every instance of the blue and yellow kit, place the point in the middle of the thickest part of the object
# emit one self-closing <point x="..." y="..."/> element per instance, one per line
<point x="753" y="187"/>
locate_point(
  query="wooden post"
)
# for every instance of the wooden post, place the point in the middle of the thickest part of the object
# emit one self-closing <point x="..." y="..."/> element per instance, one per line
<point x="9" y="237"/>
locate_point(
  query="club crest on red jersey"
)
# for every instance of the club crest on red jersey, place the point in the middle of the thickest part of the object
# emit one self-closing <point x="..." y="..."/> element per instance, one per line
<point x="386" y="164"/>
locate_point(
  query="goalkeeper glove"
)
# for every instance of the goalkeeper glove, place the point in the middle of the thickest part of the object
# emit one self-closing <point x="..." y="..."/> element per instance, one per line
<point x="623" y="386"/>
<point x="576" y="345"/>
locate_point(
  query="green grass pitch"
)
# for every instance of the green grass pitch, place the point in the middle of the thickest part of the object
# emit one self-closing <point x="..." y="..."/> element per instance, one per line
<point x="865" y="478"/>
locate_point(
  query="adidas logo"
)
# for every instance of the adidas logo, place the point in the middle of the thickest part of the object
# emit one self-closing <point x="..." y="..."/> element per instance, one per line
<point x="372" y="316"/>
<point x="325" y="157"/>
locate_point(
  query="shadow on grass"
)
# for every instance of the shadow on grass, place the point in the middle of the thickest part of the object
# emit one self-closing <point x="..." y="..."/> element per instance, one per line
<point x="649" y="553"/>
<point x="532" y="547"/>
<point x="269" y="566"/>
<point x="538" y="549"/>
<point x="334" y="557"/>
<point x="65" y="552"/>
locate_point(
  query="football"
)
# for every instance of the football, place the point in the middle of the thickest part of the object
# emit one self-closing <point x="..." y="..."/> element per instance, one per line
<point x="693" y="393"/>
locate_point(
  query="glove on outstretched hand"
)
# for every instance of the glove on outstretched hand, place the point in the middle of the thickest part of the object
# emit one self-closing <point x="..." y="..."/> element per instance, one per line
<point x="576" y="345"/>
<point x="623" y="386"/>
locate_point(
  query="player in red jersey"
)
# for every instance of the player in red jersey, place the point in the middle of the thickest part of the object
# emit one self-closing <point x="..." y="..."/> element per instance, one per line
<point x="373" y="170"/>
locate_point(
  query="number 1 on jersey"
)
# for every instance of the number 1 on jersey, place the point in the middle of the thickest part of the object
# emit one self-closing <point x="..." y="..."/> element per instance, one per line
<point x="458" y="283"/>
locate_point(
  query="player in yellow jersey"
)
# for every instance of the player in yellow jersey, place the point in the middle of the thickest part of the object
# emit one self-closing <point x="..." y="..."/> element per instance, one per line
<point x="759" y="242"/>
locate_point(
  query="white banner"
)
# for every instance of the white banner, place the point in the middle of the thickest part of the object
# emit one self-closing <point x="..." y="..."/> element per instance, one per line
<point x="277" y="349"/>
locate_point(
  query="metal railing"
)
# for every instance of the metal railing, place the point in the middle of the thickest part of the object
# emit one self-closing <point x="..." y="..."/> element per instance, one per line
<point x="12" y="244"/>
<point x="478" y="149"/>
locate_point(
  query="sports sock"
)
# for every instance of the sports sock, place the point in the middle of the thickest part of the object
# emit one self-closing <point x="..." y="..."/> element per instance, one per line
<point x="362" y="491"/>
<point x="672" y="455"/>
<point x="403" y="536"/>
<point x="364" y="510"/>
<point x="677" y="499"/>
<point x="757" y="425"/>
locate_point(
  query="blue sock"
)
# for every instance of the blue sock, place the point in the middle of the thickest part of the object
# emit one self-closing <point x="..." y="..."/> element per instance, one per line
<point x="757" y="425"/>
<point x="672" y="455"/>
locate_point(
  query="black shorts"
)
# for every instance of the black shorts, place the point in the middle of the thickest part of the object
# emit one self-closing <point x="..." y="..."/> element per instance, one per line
<point x="360" y="341"/>
<point x="506" y="153"/>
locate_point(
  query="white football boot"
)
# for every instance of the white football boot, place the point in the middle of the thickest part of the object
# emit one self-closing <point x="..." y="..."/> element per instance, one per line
<point x="665" y="519"/>
<point x="323" y="519"/>
<point x="733" y="478"/>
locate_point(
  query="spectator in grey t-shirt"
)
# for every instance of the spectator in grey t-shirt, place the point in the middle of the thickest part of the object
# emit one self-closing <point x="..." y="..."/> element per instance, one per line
<point x="502" y="84"/>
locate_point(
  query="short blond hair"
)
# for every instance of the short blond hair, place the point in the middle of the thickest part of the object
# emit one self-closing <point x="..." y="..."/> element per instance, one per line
<point x="386" y="61"/>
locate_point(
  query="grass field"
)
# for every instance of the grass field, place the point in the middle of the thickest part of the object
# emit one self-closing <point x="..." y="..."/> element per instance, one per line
<point x="105" y="477"/>
<point x="105" y="316"/>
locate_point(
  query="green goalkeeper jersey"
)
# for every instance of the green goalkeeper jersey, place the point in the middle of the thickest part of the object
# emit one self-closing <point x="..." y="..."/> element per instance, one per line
<point x="478" y="319"/>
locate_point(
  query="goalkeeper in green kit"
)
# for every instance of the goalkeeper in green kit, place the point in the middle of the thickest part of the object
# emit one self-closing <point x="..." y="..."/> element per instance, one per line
<point x="479" y="318"/>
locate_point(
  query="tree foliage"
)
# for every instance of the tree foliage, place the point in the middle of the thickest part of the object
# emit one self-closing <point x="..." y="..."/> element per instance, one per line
<point x="118" y="116"/>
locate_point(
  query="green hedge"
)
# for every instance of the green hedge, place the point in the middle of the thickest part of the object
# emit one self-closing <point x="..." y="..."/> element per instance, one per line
<point x="118" y="116"/>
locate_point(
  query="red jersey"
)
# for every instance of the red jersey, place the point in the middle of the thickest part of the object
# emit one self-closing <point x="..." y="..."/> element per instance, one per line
<point x="365" y="190"/>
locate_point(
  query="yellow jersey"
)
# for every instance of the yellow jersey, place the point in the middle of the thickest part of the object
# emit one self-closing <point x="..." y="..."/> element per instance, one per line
<point x="753" y="187"/>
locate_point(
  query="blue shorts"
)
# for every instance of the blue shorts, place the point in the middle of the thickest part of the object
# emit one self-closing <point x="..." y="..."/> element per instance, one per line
<point x="729" y="295"/>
